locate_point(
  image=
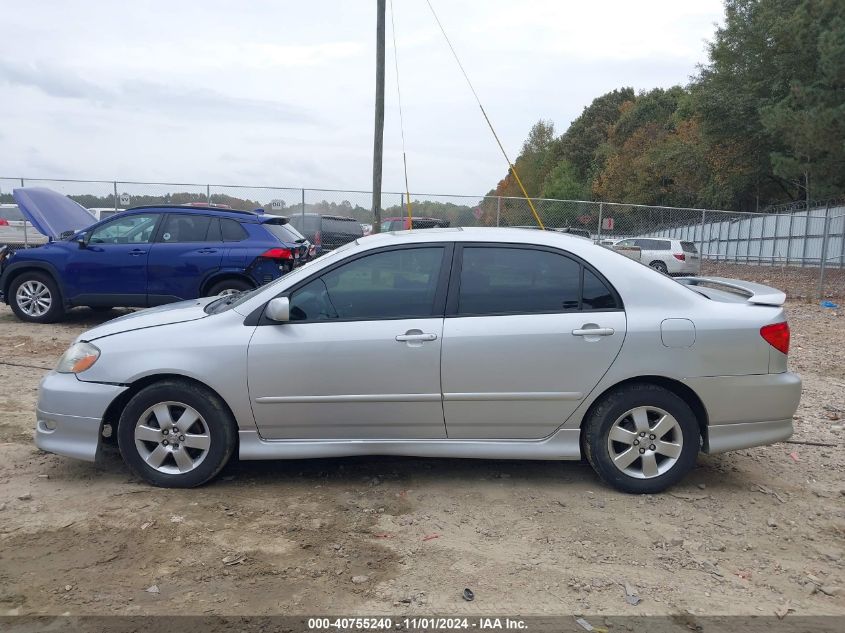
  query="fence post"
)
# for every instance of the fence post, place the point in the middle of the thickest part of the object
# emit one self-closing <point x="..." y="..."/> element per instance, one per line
<point x="208" y="194"/>
<point x="601" y="213"/>
<point x="115" y="196"/>
<point x="806" y="235"/>
<point x="789" y="238"/>
<point x="823" y="259"/>
<point x="498" y="209"/>
<point x="701" y="240"/>
<point x="303" y="209"/>
<point x="22" y="185"/>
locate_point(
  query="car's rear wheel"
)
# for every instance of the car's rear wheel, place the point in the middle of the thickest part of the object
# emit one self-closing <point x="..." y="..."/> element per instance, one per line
<point x="176" y="434"/>
<point x="228" y="287"/>
<point x="660" y="267"/>
<point x="641" y="438"/>
<point x="35" y="298"/>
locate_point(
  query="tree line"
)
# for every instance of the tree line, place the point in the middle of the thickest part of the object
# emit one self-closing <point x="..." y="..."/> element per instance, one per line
<point x="762" y="122"/>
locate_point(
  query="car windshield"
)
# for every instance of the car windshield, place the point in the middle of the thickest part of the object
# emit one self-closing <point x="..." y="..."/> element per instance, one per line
<point x="230" y="301"/>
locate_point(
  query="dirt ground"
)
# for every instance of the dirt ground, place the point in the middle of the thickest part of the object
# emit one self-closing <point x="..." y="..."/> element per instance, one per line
<point x="751" y="532"/>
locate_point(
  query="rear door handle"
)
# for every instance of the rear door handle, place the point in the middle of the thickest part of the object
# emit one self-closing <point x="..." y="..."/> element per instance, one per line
<point x="137" y="252"/>
<point x="416" y="337"/>
<point x="595" y="331"/>
<point x="207" y="250"/>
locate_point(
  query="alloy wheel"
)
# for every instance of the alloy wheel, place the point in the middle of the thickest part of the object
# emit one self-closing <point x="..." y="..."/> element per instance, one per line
<point x="34" y="298"/>
<point x="645" y="442"/>
<point x="172" y="438"/>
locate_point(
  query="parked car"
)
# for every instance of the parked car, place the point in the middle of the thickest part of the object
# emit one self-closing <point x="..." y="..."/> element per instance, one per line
<point x="565" y="229"/>
<point x="575" y="231"/>
<point x="102" y="213"/>
<point x="484" y="343"/>
<point x="668" y="256"/>
<point x="327" y="232"/>
<point x="14" y="229"/>
<point x="402" y="224"/>
<point x="142" y="257"/>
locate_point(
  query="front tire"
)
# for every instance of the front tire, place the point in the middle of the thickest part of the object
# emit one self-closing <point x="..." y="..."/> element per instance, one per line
<point x="176" y="434"/>
<point x="641" y="438"/>
<point x="35" y="298"/>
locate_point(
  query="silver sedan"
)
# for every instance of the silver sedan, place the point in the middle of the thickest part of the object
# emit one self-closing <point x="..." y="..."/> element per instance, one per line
<point x="486" y="343"/>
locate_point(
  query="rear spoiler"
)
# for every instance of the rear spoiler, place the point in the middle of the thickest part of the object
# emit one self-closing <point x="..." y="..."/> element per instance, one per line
<point x="757" y="294"/>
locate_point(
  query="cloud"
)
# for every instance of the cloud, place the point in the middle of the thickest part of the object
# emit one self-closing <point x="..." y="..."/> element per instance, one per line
<point x="149" y="96"/>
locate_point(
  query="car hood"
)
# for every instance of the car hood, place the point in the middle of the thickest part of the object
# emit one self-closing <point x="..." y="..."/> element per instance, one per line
<point x="50" y="212"/>
<point x="151" y="317"/>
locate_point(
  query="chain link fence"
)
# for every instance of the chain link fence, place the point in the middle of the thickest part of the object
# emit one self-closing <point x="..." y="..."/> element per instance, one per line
<point x="799" y="247"/>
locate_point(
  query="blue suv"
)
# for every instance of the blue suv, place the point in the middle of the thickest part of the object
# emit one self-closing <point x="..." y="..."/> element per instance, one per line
<point x="141" y="257"/>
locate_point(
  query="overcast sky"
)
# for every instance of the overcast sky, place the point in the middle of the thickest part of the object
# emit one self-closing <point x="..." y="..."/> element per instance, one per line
<point x="281" y="92"/>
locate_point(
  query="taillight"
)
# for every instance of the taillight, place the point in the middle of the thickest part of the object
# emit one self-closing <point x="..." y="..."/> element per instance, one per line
<point x="278" y="253"/>
<point x="4" y="222"/>
<point x="777" y="335"/>
<point x="318" y="239"/>
<point x="680" y="257"/>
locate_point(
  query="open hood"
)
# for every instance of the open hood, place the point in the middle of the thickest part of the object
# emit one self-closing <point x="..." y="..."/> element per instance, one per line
<point x="50" y="212"/>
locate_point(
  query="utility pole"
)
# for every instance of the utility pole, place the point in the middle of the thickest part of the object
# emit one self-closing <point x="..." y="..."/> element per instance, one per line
<point x="378" y="136"/>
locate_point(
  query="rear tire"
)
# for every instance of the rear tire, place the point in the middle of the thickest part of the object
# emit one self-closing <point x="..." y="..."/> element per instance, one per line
<point x="641" y="438"/>
<point x="660" y="267"/>
<point x="176" y="434"/>
<point x="228" y="287"/>
<point x="35" y="298"/>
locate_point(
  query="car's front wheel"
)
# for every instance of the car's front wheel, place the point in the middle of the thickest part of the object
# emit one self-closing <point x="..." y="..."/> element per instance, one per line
<point x="641" y="438"/>
<point x="176" y="434"/>
<point x="35" y="297"/>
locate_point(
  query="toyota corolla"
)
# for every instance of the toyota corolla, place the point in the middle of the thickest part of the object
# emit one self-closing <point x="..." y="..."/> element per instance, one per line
<point x="485" y="343"/>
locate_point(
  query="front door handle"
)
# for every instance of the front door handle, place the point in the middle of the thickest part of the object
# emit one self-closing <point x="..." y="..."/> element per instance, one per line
<point x="594" y="331"/>
<point x="137" y="252"/>
<point x="416" y="337"/>
<point x="207" y="250"/>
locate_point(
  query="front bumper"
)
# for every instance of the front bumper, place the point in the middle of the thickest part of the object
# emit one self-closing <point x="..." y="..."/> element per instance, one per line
<point x="69" y="415"/>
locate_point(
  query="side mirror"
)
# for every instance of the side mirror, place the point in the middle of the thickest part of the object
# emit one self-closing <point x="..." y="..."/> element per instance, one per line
<point x="278" y="310"/>
<point x="82" y="240"/>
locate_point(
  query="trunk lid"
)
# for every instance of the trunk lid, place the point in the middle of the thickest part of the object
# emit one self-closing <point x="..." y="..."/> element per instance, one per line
<point x="50" y="212"/>
<point x="735" y="290"/>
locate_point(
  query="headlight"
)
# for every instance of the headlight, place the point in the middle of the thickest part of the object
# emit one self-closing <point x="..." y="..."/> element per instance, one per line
<point x="78" y="358"/>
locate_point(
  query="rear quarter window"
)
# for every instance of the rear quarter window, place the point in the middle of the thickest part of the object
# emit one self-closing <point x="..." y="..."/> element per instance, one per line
<point x="688" y="247"/>
<point x="231" y="230"/>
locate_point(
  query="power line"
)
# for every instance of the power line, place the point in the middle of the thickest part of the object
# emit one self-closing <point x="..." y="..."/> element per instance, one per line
<point x="486" y="118"/>
<point x="401" y="118"/>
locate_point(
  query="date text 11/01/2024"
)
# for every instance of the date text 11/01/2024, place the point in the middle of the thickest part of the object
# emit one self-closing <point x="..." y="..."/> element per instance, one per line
<point x="416" y="624"/>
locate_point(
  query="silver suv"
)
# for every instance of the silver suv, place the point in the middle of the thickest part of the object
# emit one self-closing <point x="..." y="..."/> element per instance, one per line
<point x="670" y="257"/>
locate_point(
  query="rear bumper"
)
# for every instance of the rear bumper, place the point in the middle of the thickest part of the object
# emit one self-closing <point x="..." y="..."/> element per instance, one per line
<point x="745" y="411"/>
<point x="730" y="437"/>
<point x="69" y="415"/>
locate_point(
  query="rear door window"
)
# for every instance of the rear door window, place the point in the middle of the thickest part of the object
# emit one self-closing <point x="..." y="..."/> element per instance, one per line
<point x="182" y="228"/>
<point x="688" y="247"/>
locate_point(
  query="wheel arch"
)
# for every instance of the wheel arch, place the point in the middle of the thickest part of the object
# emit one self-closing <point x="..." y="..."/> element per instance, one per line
<point x="686" y="393"/>
<point x="15" y="270"/>
<point x="222" y="275"/>
<point x="114" y="411"/>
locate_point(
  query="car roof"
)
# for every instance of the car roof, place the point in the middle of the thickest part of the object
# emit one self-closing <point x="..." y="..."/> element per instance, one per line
<point x="311" y="214"/>
<point x="474" y="234"/>
<point x="234" y="214"/>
